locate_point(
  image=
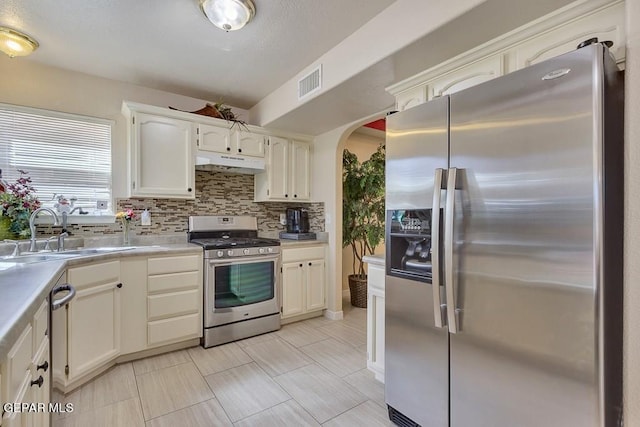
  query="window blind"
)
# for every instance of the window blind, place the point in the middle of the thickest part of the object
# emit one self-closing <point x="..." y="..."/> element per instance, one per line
<point x="64" y="154"/>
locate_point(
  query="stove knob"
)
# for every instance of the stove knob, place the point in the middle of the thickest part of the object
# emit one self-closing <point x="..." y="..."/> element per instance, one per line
<point x="245" y="251"/>
<point x="261" y="250"/>
<point x="220" y="254"/>
<point x="270" y="250"/>
<point x="230" y="252"/>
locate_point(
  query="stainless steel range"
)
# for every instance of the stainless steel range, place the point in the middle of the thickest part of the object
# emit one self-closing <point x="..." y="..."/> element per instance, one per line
<point x="241" y="278"/>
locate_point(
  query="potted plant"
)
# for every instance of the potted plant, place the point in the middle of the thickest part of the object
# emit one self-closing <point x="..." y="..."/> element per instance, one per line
<point x="362" y="214"/>
<point x="16" y="206"/>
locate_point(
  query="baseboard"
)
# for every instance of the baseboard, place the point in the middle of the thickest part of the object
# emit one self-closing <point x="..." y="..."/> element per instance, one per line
<point x="334" y="315"/>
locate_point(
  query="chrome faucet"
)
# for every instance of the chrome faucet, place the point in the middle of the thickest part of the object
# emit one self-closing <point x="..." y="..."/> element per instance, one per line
<point x="32" y="226"/>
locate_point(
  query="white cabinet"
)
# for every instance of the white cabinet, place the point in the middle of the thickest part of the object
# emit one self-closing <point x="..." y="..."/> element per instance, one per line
<point x="25" y="373"/>
<point x="375" y="316"/>
<point x="93" y="317"/>
<point x="232" y="141"/>
<point x="554" y="34"/>
<point x="161" y="157"/>
<point x="606" y="24"/>
<point x="303" y="280"/>
<point x="467" y="76"/>
<point x="288" y="172"/>
<point x="174" y="299"/>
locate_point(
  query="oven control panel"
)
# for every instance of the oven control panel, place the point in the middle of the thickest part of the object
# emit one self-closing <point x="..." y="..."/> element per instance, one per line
<point x="241" y="252"/>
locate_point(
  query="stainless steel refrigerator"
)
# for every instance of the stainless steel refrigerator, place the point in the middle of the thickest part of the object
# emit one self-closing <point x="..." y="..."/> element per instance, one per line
<point x="504" y="251"/>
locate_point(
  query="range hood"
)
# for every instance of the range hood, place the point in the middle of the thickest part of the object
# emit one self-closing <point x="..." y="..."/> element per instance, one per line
<point x="220" y="162"/>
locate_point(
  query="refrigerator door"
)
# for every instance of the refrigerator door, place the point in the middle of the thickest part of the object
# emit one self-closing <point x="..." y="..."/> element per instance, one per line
<point x="527" y="148"/>
<point x="416" y="350"/>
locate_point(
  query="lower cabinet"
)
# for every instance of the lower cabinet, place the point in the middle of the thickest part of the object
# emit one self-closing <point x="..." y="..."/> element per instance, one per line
<point x="25" y="375"/>
<point x="303" y="280"/>
<point x="123" y="307"/>
<point x="375" y="319"/>
<point x="174" y="301"/>
<point x="93" y="317"/>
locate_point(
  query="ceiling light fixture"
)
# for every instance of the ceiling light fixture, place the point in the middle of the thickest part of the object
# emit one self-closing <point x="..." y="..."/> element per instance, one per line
<point x="228" y="15"/>
<point x="16" y="43"/>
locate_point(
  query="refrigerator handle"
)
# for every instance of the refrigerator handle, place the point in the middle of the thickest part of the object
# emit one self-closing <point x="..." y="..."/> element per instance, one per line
<point x="438" y="307"/>
<point x="448" y="251"/>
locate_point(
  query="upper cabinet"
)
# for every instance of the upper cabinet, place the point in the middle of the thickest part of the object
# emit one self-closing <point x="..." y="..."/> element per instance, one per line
<point x="288" y="172"/>
<point x="554" y="34"/>
<point x="162" y="151"/>
<point x="225" y="140"/>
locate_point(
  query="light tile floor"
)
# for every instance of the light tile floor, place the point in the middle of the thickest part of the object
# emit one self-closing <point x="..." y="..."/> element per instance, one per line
<point x="308" y="373"/>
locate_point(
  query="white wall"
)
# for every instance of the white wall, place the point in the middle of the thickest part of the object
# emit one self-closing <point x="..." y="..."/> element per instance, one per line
<point x="27" y="83"/>
<point x="632" y="219"/>
<point x="363" y="146"/>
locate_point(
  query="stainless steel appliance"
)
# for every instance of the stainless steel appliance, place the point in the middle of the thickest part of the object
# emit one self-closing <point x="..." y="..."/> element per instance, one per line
<point x="297" y="220"/>
<point x="504" y="251"/>
<point x="241" y="278"/>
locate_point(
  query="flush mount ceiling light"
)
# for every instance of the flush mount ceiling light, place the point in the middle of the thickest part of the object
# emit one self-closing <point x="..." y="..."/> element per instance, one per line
<point x="15" y="43"/>
<point x="229" y="15"/>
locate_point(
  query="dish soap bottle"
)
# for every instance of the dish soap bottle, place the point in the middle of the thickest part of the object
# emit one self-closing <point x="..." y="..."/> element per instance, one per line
<point x="145" y="217"/>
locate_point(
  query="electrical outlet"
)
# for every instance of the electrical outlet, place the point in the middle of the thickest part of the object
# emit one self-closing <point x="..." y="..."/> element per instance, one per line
<point x="102" y="204"/>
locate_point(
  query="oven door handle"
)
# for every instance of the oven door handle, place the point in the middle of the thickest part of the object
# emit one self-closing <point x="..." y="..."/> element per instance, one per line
<point x="242" y="260"/>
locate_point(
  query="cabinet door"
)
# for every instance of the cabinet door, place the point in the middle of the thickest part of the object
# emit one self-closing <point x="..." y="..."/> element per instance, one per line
<point x="278" y="168"/>
<point x="292" y="289"/>
<point x="467" y="76"/>
<point x="299" y="180"/>
<point x="249" y="144"/>
<point x="41" y="368"/>
<point x="605" y="24"/>
<point x="214" y="138"/>
<point x="315" y="278"/>
<point x="163" y="164"/>
<point x="93" y="328"/>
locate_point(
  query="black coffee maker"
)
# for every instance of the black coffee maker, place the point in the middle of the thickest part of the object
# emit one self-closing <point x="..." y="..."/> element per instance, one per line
<point x="297" y="220"/>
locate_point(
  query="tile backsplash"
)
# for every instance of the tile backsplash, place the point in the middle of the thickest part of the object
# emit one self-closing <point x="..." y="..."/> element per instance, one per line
<point x="217" y="193"/>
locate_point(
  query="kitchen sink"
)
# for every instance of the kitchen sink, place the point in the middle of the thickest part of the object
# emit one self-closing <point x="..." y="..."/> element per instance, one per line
<point x="91" y="251"/>
<point x="13" y="261"/>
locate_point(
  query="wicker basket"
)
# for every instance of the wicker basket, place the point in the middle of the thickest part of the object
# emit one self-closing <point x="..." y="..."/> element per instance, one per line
<point x="358" y="291"/>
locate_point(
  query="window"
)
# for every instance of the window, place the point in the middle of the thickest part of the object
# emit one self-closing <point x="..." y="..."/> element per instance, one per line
<point x="65" y="155"/>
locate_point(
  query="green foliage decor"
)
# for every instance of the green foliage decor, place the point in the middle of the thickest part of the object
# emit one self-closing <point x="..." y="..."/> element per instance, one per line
<point x="363" y="205"/>
<point x="16" y="206"/>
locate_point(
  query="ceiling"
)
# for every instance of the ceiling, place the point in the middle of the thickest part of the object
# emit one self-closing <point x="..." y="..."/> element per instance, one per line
<point x="171" y="46"/>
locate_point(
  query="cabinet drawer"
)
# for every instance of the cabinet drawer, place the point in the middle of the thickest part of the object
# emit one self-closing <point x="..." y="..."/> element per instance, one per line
<point x="175" y="264"/>
<point x="40" y="323"/>
<point x="174" y="282"/>
<point x="95" y="274"/>
<point x="19" y="361"/>
<point x="173" y="304"/>
<point x="174" y="329"/>
<point x="298" y="254"/>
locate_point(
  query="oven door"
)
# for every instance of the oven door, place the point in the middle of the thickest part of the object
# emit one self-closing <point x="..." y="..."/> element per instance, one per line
<point x="241" y="289"/>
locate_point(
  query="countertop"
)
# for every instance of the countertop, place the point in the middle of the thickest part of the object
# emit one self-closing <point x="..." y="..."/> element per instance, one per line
<point x="25" y="286"/>
<point x="374" y="259"/>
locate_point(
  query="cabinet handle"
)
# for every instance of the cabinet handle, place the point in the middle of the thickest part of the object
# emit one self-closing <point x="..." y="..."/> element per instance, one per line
<point x="44" y="366"/>
<point x="228" y="148"/>
<point x="300" y="265"/>
<point x="189" y="189"/>
<point x="39" y="382"/>
<point x="295" y="195"/>
<point x="286" y="195"/>
<point x="119" y="285"/>
<point x="309" y="263"/>
<point x="239" y="150"/>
